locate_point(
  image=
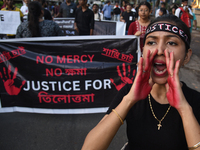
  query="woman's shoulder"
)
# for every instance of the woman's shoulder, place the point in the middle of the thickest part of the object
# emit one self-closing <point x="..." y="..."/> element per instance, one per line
<point x="24" y="24"/>
<point x="133" y="23"/>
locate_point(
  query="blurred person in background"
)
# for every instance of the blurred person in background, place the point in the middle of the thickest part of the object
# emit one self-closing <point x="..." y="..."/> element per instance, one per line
<point x="123" y="8"/>
<point x="162" y="12"/>
<point x="11" y="7"/>
<point x="95" y="9"/>
<point x="4" y="4"/>
<point x="47" y="14"/>
<point x="67" y="9"/>
<point x="139" y="26"/>
<point x="116" y="12"/>
<point x="36" y="26"/>
<point x="106" y="11"/>
<point x="24" y="9"/>
<point x="56" y="9"/>
<point x="84" y="19"/>
<point x="162" y="5"/>
<point x="193" y="20"/>
<point x="128" y="17"/>
<point x="184" y="13"/>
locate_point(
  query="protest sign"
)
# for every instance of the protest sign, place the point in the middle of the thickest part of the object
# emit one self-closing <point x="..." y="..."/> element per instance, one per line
<point x="65" y="74"/>
<point x="9" y="21"/>
<point x="100" y="27"/>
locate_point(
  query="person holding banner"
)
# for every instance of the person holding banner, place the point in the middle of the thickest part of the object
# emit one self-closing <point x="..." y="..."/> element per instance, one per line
<point x="11" y="7"/>
<point x="36" y="26"/>
<point x="138" y="27"/>
<point x="160" y="111"/>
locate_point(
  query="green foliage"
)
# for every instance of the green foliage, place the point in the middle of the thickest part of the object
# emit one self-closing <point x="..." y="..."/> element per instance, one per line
<point x="18" y="5"/>
<point x="1" y="3"/>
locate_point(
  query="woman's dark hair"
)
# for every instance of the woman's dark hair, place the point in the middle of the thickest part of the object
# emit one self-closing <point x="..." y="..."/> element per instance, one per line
<point x="35" y="9"/>
<point x="163" y="10"/>
<point x="146" y="4"/>
<point x="95" y="5"/>
<point x="175" y="21"/>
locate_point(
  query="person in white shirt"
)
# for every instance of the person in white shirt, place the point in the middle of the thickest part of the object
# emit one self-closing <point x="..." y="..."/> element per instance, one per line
<point x="95" y="9"/>
<point x="163" y="5"/>
<point x="24" y="9"/>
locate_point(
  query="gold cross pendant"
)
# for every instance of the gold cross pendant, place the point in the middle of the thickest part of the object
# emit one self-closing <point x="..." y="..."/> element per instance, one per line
<point x="159" y="125"/>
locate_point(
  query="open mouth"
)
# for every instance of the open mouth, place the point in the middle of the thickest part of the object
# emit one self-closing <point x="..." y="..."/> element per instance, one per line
<point x="159" y="67"/>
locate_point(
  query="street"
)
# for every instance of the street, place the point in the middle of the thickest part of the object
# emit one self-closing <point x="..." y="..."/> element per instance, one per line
<point x="25" y="131"/>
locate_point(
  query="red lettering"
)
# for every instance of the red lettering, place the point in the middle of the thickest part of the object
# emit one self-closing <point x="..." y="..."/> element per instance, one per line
<point x="46" y="59"/>
<point x="76" y="57"/>
<point x="61" y="60"/>
<point x="90" y="57"/>
<point x="82" y="58"/>
<point x="48" y="72"/>
<point x="69" y="59"/>
<point x="39" y="59"/>
<point x="58" y="74"/>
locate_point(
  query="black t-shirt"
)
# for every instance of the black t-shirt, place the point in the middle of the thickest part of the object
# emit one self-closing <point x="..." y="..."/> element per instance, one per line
<point x="142" y="129"/>
<point x="117" y="11"/>
<point x="84" y="20"/>
<point x="47" y="15"/>
<point x="129" y="18"/>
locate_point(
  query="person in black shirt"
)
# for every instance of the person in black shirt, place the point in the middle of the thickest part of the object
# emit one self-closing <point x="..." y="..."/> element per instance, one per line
<point x="84" y="19"/>
<point x="161" y="112"/>
<point x="128" y="16"/>
<point x="67" y="9"/>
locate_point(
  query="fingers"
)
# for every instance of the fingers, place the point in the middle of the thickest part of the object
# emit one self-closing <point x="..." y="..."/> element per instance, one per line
<point x="2" y="77"/>
<point x="124" y="69"/>
<point x="176" y="70"/>
<point x="167" y="87"/>
<point x="167" y="58"/>
<point x="140" y="66"/>
<point x="171" y="63"/>
<point x="15" y="73"/>
<point x="134" y="72"/>
<point x="129" y="70"/>
<point x="149" y="60"/>
<point x="23" y="82"/>
<point x="4" y="70"/>
<point x="118" y="71"/>
<point x="146" y="65"/>
<point x="153" y="55"/>
<point x="9" y="71"/>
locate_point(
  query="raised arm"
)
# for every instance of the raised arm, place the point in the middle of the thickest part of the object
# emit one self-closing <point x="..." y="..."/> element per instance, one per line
<point x="177" y="99"/>
<point x="100" y="137"/>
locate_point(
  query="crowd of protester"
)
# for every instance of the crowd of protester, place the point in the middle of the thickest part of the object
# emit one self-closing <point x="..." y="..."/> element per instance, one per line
<point x="136" y="17"/>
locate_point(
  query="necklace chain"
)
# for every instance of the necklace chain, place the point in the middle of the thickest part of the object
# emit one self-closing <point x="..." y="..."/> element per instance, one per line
<point x="159" y="125"/>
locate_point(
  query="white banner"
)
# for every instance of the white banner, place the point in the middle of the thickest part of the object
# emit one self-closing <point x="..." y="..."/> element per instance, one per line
<point x="9" y="21"/>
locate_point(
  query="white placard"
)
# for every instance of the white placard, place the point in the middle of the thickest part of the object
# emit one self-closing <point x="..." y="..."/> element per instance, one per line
<point x="9" y="21"/>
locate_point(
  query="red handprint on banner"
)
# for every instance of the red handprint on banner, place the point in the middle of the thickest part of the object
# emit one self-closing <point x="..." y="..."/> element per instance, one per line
<point x="125" y="78"/>
<point x="8" y="81"/>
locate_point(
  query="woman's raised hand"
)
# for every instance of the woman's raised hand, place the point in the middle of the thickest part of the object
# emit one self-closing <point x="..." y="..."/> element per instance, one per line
<point x="174" y="92"/>
<point x="142" y="84"/>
